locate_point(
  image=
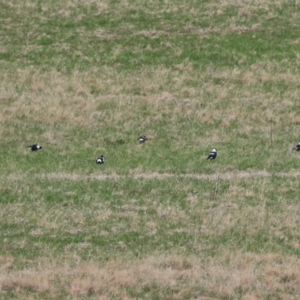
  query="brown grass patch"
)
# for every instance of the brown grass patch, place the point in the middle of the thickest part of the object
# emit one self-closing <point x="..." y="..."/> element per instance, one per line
<point x="85" y="98"/>
<point x="255" y="275"/>
<point x="26" y="280"/>
<point x="5" y="263"/>
<point x="137" y="174"/>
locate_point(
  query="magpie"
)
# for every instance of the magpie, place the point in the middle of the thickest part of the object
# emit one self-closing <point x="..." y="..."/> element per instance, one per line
<point x="100" y="160"/>
<point x="297" y="147"/>
<point x="212" y="154"/>
<point x="35" y="147"/>
<point x="142" y="139"/>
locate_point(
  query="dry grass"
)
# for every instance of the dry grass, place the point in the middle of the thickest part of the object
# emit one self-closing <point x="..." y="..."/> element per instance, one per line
<point x="137" y="174"/>
<point x="53" y="98"/>
<point x="255" y="275"/>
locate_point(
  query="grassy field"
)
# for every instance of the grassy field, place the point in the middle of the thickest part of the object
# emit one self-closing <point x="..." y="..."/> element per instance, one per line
<point x="156" y="220"/>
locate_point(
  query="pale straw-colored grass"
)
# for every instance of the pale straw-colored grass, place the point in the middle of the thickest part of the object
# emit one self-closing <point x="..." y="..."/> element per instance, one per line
<point x="52" y="98"/>
<point x="254" y="275"/>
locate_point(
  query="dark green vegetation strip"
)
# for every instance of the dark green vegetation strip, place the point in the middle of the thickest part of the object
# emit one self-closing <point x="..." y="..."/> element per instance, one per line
<point x="143" y="35"/>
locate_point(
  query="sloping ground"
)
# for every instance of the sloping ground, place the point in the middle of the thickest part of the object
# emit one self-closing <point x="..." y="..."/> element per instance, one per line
<point x="156" y="221"/>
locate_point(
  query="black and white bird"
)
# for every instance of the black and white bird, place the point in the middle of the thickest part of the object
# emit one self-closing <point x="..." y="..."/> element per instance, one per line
<point x="100" y="160"/>
<point x="35" y="147"/>
<point x="212" y="154"/>
<point x="297" y="147"/>
<point x="142" y="139"/>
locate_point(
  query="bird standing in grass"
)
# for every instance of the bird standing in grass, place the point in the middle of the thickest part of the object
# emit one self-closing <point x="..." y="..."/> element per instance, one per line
<point x="297" y="147"/>
<point x="35" y="147"/>
<point x="142" y="139"/>
<point x="100" y="160"/>
<point x="212" y="154"/>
